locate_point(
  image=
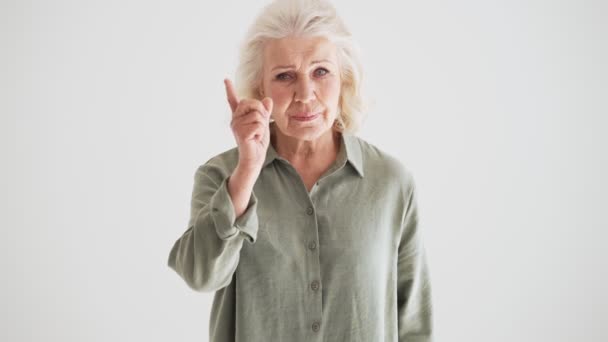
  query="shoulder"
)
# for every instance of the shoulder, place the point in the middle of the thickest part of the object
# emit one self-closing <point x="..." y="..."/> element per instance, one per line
<point x="385" y="167"/>
<point x="219" y="166"/>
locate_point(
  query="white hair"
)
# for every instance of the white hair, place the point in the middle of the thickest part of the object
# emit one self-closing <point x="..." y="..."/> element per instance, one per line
<point x="304" y="18"/>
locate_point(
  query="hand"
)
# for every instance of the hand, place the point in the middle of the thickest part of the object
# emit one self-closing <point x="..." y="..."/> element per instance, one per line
<point x="250" y="126"/>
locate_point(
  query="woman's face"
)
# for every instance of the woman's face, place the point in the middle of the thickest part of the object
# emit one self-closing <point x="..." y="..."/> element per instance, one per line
<point x="302" y="77"/>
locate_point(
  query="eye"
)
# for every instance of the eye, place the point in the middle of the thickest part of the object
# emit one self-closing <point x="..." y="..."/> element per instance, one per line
<point x="283" y="76"/>
<point x="322" y="72"/>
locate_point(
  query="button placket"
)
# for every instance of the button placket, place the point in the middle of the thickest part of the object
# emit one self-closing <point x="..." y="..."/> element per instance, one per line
<point x="314" y="285"/>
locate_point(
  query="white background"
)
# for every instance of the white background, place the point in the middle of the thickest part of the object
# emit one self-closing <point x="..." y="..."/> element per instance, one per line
<point x="498" y="108"/>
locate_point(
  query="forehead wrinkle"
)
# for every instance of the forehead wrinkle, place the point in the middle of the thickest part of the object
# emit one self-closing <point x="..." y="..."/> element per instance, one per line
<point x="326" y="57"/>
<point x="290" y="56"/>
<point x="318" y="61"/>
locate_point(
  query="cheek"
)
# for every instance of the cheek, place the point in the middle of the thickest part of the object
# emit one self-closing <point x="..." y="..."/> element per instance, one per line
<point x="330" y="92"/>
<point x="281" y="96"/>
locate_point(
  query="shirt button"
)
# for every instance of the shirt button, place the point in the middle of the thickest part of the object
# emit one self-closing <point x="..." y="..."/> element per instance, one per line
<point x="312" y="245"/>
<point x="309" y="211"/>
<point x="314" y="285"/>
<point x="316" y="326"/>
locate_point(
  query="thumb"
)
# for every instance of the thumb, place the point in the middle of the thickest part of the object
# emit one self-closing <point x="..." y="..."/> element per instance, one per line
<point x="268" y="104"/>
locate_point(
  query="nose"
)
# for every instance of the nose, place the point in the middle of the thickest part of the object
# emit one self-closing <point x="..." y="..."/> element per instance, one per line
<point x="305" y="90"/>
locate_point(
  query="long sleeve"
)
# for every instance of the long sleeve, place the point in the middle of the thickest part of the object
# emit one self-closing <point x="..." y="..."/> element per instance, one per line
<point x="414" y="288"/>
<point x="207" y="254"/>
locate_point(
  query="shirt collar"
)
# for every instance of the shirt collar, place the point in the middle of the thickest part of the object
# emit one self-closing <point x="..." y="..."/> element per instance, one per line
<point x="349" y="150"/>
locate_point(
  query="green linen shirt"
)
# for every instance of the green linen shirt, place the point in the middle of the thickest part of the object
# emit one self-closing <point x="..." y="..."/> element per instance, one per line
<point x="343" y="262"/>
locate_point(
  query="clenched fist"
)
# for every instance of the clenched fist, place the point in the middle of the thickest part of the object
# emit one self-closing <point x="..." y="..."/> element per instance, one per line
<point x="250" y="126"/>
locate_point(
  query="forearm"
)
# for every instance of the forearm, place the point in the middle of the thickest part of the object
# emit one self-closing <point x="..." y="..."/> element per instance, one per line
<point x="240" y="186"/>
<point x="207" y="254"/>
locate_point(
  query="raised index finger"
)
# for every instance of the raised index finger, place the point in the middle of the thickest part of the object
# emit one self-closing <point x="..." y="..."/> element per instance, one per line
<point x="231" y="94"/>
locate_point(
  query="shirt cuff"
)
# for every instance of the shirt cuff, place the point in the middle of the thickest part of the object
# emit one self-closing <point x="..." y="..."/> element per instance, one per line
<point x="223" y="215"/>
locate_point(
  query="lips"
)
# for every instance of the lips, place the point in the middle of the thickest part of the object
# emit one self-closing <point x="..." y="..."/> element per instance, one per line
<point x="304" y="115"/>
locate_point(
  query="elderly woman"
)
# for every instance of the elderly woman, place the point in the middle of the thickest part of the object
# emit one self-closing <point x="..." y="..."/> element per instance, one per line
<point x="304" y="231"/>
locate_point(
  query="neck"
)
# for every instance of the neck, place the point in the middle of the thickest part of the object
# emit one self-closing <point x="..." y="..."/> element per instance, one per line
<point x="306" y="152"/>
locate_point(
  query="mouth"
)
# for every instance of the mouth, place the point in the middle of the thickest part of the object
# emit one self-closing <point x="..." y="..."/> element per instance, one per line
<point x="308" y="116"/>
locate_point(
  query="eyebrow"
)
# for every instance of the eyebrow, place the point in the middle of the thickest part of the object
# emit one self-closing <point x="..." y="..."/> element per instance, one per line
<point x="293" y="66"/>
